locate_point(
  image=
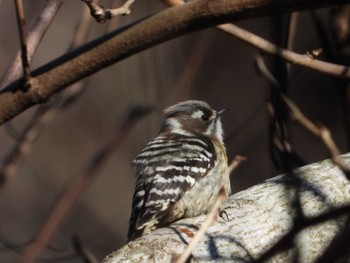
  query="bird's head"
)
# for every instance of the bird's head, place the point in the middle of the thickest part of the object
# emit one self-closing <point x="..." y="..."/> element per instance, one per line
<point x="193" y="117"/>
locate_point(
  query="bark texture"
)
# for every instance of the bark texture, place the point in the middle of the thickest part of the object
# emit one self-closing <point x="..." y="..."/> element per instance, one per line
<point x="259" y="218"/>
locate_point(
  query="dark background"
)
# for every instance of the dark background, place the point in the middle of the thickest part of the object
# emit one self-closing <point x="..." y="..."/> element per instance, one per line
<point x="226" y="78"/>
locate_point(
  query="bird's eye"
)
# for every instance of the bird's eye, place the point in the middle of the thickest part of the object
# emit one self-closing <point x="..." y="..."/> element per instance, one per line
<point x="205" y="117"/>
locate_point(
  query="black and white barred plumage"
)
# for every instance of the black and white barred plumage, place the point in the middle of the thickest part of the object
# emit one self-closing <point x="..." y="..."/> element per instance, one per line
<point x="179" y="173"/>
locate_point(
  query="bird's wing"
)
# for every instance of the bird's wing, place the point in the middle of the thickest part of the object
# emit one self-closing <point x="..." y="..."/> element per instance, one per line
<point x="165" y="170"/>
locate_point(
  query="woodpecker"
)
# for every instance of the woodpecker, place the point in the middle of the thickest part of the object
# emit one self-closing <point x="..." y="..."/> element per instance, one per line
<point x="180" y="172"/>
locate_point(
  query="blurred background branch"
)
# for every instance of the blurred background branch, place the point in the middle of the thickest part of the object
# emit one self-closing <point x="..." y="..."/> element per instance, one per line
<point x="118" y="45"/>
<point x="46" y="112"/>
<point x="74" y="190"/>
<point x="35" y="35"/>
<point x="207" y="65"/>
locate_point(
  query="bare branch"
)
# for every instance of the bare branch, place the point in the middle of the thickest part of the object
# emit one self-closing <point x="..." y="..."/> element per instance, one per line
<point x="298" y="59"/>
<point x="266" y="213"/>
<point x="11" y="162"/>
<point x="122" y="43"/>
<point x="123" y="10"/>
<point x="45" y="112"/>
<point x="320" y="131"/>
<point x="22" y="28"/>
<point x="237" y="161"/>
<point x="211" y="217"/>
<point x="101" y="14"/>
<point x="36" y="33"/>
<point x="72" y="193"/>
<point x="83" y="251"/>
<point x="292" y="57"/>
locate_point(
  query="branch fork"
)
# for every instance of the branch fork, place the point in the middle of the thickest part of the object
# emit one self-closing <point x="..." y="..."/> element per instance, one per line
<point x="102" y="14"/>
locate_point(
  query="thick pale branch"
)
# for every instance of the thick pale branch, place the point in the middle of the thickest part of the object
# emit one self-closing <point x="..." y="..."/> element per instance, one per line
<point x="262" y="220"/>
<point x="165" y="25"/>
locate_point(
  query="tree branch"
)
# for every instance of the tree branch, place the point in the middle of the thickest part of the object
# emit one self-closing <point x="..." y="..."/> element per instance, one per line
<point x="22" y="28"/>
<point x="74" y="190"/>
<point x="122" y="43"/>
<point x="101" y="14"/>
<point x="45" y="112"/>
<point x="304" y="60"/>
<point x="36" y="33"/>
<point x="264" y="222"/>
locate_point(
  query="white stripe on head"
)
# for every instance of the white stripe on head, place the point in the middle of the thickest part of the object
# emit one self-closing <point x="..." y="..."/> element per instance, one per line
<point x="176" y="127"/>
<point x="197" y="114"/>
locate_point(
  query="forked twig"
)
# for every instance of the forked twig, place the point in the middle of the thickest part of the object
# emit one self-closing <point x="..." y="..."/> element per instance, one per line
<point x="102" y="14"/>
<point x="75" y="189"/>
<point x="21" y="22"/>
<point x="207" y="223"/>
<point x="35" y="34"/>
<point x="45" y="112"/>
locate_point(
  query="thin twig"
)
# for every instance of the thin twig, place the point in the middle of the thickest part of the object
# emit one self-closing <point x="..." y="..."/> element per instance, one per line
<point x="260" y="63"/>
<point x="320" y="131"/>
<point x="70" y="196"/>
<point x="83" y="251"/>
<point x="237" y="161"/>
<point x="339" y="51"/>
<point x="123" y="10"/>
<point x="210" y="219"/>
<point x="270" y="48"/>
<point x="36" y="33"/>
<point x="21" y="22"/>
<point x="137" y="36"/>
<point x="294" y="17"/>
<point x="290" y="56"/>
<point x="45" y="112"/>
<point x="102" y="14"/>
<point x="11" y="162"/>
<point x="280" y="143"/>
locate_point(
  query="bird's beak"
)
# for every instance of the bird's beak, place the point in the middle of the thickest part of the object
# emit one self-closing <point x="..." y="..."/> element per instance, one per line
<point x="221" y="112"/>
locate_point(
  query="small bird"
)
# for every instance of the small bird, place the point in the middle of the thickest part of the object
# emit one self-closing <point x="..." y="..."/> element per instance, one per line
<point x="180" y="172"/>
